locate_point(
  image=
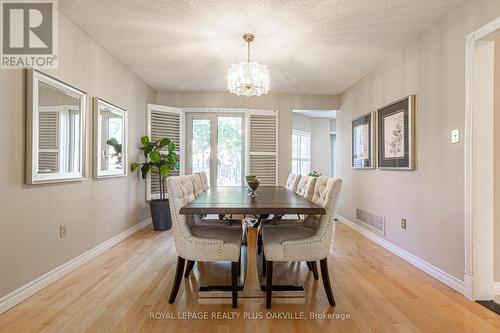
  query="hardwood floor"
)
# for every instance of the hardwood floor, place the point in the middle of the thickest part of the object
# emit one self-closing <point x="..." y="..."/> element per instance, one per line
<point x="122" y="289"/>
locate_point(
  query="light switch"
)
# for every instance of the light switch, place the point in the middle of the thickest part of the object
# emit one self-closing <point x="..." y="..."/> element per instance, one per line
<point x="455" y="136"/>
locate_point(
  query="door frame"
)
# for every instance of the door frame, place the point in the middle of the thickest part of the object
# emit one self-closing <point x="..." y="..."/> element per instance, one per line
<point x="212" y="114"/>
<point x="479" y="281"/>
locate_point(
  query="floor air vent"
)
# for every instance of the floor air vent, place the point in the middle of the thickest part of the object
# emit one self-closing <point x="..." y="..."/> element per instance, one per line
<point x="371" y="222"/>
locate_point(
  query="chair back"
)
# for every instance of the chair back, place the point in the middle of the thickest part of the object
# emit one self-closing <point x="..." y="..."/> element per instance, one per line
<point x="180" y="193"/>
<point x="326" y="194"/>
<point x="198" y="184"/>
<point x="305" y="187"/>
<point x="292" y="182"/>
<point x="204" y="180"/>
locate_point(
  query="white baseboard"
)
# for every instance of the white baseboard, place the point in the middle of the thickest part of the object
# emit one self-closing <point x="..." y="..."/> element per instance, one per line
<point x="497" y="288"/>
<point x="19" y="295"/>
<point x="423" y="265"/>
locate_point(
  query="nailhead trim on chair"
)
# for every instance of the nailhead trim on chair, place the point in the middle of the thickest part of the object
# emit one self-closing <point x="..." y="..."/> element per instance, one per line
<point x="186" y="197"/>
<point x="321" y="196"/>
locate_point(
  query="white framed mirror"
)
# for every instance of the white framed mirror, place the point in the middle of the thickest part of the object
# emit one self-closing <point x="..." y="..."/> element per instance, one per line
<point x="110" y="137"/>
<point x="55" y="131"/>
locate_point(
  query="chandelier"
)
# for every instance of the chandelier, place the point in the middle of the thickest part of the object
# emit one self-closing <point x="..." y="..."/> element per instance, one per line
<point x="248" y="78"/>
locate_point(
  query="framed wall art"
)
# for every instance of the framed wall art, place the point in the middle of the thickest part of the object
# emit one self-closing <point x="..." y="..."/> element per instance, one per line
<point x="362" y="145"/>
<point x="396" y="135"/>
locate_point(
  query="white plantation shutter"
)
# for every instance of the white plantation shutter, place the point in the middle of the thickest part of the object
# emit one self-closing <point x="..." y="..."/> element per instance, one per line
<point x="262" y="138"/>
<point x="164" y="122"/>
<point x="48" y="142"/>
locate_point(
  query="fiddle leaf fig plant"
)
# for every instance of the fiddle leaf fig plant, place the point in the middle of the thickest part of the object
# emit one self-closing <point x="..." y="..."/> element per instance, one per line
<point x="160" y="159"/>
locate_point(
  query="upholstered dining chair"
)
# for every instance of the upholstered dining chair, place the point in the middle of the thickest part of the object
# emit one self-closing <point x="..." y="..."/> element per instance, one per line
<point x="302" y="185"/>
<point x="305" y="187"/>
<point x="198" y="184"/>
<point x="204" y="180"/>
<point x="193" y="242"/>
<point x="308" y="240"/>
<point x="292" y="182"/>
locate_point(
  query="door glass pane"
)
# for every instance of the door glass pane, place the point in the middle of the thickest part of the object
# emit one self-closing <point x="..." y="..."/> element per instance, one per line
<point x="200" y="146"/>
<point x="229" y="150"/>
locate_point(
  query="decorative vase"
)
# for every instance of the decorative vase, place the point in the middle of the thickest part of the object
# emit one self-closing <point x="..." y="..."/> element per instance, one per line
<point x="253" y="184"/>
<point x="160" y="214"/>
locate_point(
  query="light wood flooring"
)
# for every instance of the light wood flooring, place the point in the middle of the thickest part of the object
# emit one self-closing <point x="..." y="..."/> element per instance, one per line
<point x="121" y="289"/>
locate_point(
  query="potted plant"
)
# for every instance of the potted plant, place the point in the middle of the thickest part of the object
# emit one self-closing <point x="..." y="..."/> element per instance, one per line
<point x="160" y="161"/>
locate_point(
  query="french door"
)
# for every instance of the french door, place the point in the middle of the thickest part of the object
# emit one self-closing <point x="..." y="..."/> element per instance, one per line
<point x="216" y="145"/>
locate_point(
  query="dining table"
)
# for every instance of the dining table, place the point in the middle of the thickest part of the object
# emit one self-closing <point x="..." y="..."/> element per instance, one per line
<point x="235" y="201"/>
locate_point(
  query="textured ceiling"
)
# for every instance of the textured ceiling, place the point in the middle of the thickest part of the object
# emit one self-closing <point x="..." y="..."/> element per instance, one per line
<point x="319" y="47"/>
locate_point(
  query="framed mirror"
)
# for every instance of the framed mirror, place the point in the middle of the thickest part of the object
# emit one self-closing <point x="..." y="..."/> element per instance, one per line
<point x="110" y="135"/>
<point x="55" y="131"/>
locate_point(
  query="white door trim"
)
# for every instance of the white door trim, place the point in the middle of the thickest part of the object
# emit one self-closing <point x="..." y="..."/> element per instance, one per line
<point x="478" y="273"/>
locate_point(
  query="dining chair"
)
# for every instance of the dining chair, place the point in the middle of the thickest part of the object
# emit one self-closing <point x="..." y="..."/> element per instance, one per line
<point x="302" y="185"/>
<point x="204" y="180"/>
<point x="305" y="187"/>
<point x="292" y="182"/>
<point x="308" y="240"/>
<point x="198" y="184"/>
<point x="205" y="243"/>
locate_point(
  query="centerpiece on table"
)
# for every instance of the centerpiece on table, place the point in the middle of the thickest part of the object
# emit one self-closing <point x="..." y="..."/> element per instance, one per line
<point x="253" y="184"/>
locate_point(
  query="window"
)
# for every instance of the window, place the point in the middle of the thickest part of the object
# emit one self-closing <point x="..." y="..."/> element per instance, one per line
<point x="301" y="152"/>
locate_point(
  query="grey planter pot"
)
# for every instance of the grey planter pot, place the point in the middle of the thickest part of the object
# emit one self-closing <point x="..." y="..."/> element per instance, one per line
<point x="160" y="214"/>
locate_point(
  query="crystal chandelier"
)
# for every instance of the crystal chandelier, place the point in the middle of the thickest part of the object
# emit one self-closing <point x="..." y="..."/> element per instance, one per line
<point x="248" y="78"/>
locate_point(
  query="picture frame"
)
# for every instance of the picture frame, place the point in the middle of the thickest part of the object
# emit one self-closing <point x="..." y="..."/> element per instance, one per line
<point x="396" y="135"/>
<point x="363" y="142"/>
<point x="110" y="140"/>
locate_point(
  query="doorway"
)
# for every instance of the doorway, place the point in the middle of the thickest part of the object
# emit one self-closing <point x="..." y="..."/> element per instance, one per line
<point x="215" y="145"/>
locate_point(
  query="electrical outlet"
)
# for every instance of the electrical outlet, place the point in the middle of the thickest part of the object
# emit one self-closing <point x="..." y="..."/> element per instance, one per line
<point x="455" y="136"/>
<point x="62" y="231"/>
<point x="403" y="224"/>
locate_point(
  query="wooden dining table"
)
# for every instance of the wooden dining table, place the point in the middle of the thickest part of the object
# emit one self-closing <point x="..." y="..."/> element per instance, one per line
<point x="235" y="200"/>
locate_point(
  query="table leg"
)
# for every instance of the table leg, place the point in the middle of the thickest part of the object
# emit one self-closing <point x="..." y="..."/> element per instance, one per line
<point x="250" y="282"/>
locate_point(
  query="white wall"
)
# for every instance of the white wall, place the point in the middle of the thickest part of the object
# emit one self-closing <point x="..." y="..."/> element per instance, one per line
<point x="320" y="140"/>
<point x="432" y="66"/>
<point x="94" y="211"/>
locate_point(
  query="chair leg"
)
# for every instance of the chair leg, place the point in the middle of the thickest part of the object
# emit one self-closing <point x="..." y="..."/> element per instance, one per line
<point x="314" y="269"/>
<point x="269" y="284"/>
<point x="177" y="279"/>
<point x="326" y="281"/>
<point x="234" y="282"/>
<point x="263" y="264"/>
<point x="259" y="242"/>
<point x="239" y="266"/>
<point x="189" y="268"/>
<point x="309" y="265"/>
